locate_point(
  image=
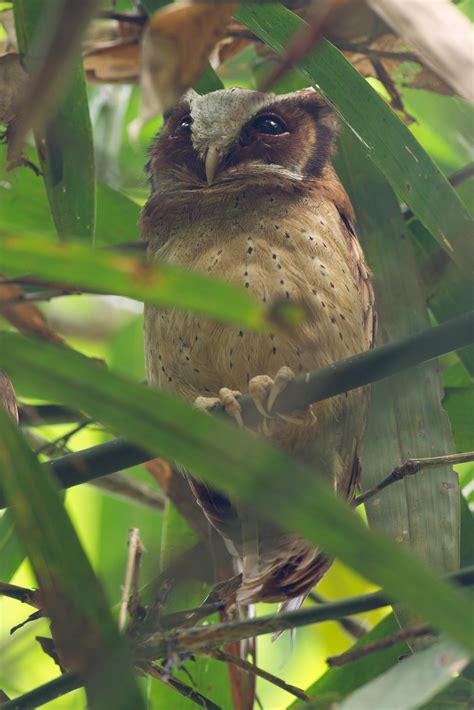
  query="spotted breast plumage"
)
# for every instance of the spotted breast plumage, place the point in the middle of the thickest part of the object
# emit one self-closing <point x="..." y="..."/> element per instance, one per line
<point x="242" y="188"/>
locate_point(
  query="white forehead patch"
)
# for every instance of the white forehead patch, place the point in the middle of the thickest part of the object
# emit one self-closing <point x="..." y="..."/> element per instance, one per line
<point x="219" y="117"/>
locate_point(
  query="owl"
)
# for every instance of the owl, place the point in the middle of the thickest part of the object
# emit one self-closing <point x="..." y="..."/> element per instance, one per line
<point x="242" y="188"/>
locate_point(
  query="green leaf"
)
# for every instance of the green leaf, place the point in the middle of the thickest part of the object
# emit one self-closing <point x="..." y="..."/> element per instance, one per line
<point x="11" y="550"/>
<point x="24" y="207"/>
<point x="337" y="683"/>
<point x="65" y="147"/>
<point x="412" y="682"/>
<point x="106" y="272"/>
<point x="447" y="292"/>
<point x="459" y="404"/>
<point x="239" y="464"/>
<point x="405" y="418"/>
<point x="72" y="595"/>
<point x="388" y="142"/>
<point x="208" y="81"/>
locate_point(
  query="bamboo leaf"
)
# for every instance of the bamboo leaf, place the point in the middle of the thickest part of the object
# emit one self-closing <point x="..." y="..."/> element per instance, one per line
<point x="388" y="142"/>
<point x="84" y="630"/>
<point x="11" y="550"/>
<point x="405" y="417"/>
<point x="239" y="464"/>
<point x="337" y="683"/>
<point x="24" y="207"/>
<point x="106" y="272"/>
<point x="65" y="148"/>
<point x="415" y="681"/>
<point x="459" y="404"/>
<point x="447" y="292"/>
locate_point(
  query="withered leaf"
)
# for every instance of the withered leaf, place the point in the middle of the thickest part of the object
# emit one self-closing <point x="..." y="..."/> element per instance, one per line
<point x="177" y="44"/>
<point x="26" y="317"/>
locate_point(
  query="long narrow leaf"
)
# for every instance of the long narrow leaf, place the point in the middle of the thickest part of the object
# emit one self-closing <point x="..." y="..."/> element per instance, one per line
<point x="415" y="681"/>
<point x="106" y="272"/>
<point x="388" y="142"/>
<point x="239" y="464"/>
<point x="74" y="599"/>
<point x="65" y="147"/>
<point x="406" y="418"/>
<point x="337" y="683"/>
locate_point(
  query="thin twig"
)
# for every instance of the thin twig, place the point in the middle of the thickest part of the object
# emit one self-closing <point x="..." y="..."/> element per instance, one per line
<point x="377" y="53"/>
<point x="37" y="296"/>
<point x="198" y="638"/>
<point x="121" y="486"/>
<point x="379" y="645"/>
<point x="410" y="468"/>
<point x="351" y="626"/>
<point x="156" y="672"/>
<point x="135" y="550"/>
<point x="255" y="670"/>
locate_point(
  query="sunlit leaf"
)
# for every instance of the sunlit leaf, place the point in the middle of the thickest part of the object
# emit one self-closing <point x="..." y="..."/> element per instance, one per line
<point x="237" y="463"/>
<point x="84" y="631"/>
<point x="106" y="272"/>
<point x="65" y="148"/>
<point x="415" y="681"/>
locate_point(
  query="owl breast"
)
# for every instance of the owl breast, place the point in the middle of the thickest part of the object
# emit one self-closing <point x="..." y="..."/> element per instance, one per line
<point x="278" y="246"/>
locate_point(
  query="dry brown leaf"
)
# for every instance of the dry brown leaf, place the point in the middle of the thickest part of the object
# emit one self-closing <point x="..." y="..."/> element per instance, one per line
<point x="114" y="63"/>
<point x="389" y="44"/>
<point x="441" y="35"/>
<point x="13" y="80"/>
<point x="26" y="317"/>
<point x="8" y="402"/>
<point x="177" y="44"/>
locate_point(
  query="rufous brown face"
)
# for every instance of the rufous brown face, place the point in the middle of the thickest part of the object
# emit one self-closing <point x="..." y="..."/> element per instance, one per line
<point x="210" y="138"/>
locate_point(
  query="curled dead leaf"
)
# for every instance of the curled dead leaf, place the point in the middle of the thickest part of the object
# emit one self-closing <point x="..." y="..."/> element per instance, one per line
<point x="26" y="317"/>
<point x="114" y="63"/>
<point x="177" y="44"/>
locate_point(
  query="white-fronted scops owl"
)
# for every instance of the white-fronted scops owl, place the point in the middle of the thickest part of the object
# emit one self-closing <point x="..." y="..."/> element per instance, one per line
<point x="242" y="188"/>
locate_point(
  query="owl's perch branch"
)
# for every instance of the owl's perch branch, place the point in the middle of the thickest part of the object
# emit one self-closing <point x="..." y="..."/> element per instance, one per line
<point x="315" y="386"/>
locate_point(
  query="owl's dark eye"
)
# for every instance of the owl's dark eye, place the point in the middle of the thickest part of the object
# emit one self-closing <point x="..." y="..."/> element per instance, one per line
<point x="270" y="124"/>
<point x="184" y="126"/>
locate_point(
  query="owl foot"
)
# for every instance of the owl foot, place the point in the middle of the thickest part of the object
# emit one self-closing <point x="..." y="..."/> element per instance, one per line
<point x="264" y="390"/>
<point x="229" y="400"/>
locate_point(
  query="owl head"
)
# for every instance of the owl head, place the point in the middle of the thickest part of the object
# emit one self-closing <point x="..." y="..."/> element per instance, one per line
<point x="233" y="133"/>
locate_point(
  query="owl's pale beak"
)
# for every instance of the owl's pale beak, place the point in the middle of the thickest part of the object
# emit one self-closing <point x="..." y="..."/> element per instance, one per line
<point x="211" y="163"/>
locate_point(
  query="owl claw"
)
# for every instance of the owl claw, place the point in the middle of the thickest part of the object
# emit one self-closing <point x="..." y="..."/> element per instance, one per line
<point x="264" y="390"/>
<point x="229" y="400"/>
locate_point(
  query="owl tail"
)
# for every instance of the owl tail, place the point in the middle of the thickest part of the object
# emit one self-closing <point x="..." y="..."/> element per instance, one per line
<point x="289" y="605"/>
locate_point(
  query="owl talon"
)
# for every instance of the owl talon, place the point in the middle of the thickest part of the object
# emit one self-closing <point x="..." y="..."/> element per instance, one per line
<point x="264" y="390"/>
<point x="229" y="400"/>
